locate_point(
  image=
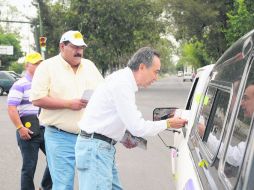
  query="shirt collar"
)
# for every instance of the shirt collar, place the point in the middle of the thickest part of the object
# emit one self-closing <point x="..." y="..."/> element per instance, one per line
<point x="28" y="77"/>
<point x="132" y="79"/>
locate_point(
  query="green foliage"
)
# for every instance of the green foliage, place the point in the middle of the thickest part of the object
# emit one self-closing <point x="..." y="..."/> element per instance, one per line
<point x="240" y="21"/>
<point x="18" y="68"/>
<point x="113" y="29"/>
<point x="179" y="66"/>
<point x="10" y="40"/>
<point x="201" y="21"/>
<point x="164" y="47"/>
<point x="193" y="54"/>
<point x="214" y="23"/>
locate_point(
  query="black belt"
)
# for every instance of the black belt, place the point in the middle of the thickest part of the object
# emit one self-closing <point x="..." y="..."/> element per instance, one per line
<point x="98" y="136"/>
<point x="54" y="127"/>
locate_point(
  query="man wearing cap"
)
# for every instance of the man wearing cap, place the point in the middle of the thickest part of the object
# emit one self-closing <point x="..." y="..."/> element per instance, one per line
<point x="30" y="135"/>
<point x="57" y="88"/>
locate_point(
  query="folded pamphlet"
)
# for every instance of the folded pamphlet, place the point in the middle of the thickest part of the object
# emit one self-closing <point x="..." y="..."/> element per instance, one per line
<point x="131" y="141"/>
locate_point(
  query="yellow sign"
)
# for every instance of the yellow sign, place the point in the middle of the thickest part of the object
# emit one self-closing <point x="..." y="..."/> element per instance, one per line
<point x="206" y="100"/>
<point x="203" y="163"/>
<point x="198" y="98"/>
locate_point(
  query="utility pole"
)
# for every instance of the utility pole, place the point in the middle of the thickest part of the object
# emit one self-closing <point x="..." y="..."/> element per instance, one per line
<point x="41" y="30"/>
<point x="37" y="4"/>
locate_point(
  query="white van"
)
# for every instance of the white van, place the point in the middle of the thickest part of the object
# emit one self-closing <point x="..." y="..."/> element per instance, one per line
<point x="215" y="149"/>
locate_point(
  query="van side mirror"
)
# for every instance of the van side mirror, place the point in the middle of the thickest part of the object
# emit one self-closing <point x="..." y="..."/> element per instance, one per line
<point x="163" y="113"/>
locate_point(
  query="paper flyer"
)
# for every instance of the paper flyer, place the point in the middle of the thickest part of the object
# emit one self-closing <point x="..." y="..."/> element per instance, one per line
<point x="87" y="94"/>
<point x="184" y="114"/>
<point x="131" y="141"/>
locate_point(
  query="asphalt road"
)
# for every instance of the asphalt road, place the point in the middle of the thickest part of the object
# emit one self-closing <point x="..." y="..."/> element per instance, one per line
<point x="139" y="169"/>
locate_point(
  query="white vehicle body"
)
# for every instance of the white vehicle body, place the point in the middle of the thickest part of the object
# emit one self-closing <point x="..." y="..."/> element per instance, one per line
<point x="214" y="151"/>
<point x="182" y="165"/>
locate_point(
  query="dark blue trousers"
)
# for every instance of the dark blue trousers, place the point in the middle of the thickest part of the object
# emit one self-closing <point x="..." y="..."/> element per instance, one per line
<point x="29" y="151"/>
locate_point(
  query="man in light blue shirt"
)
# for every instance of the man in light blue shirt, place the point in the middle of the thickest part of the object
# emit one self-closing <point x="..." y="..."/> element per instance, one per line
<point x="110" y="112"/>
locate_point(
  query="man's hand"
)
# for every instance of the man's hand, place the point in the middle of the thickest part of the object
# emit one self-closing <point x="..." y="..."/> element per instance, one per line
<point x="76" y="104"/>
<point x="25" y="133"/>
<point x="177" y="122"/>
<point x="128" y="143"/>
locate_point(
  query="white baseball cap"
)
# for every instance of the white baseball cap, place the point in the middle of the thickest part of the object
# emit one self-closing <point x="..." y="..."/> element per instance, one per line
<point x="75" y="37"/>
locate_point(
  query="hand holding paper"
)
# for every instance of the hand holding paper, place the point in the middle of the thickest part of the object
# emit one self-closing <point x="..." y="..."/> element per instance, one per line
<point x="130" y="141"/>
<point x="183" y="114"/>
<point x="87" y="94"/>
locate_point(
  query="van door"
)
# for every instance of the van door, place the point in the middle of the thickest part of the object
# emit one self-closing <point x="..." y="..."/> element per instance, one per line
<point x="219" y="142"/>
<point x="182" y="167"/>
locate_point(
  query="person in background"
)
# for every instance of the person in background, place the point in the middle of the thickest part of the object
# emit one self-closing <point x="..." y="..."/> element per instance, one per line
<point x="57" y="88"/>
<point x="110" y="112"/>
<point x="29" y="140"/>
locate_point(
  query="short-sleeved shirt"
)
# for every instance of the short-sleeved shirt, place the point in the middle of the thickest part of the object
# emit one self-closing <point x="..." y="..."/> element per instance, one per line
<point x="19" y="96"/>
<point x="55" y="78"/>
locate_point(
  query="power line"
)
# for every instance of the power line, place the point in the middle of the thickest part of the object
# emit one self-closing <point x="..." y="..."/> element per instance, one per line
<point x="14" y="21"/>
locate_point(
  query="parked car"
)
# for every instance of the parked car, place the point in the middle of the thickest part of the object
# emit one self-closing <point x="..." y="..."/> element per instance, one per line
<point x="187" y="77"/>
<point x="180" y="73"/>
<point x="6" y="81"/>
<point x="13" y="74"/>
<point x="215" y="149"/>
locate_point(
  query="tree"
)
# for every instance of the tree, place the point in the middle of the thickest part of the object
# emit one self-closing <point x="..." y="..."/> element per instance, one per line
<point x="193" y="54"/>
<point x="214" y="23"/>
<point x="239" y="21"/>
<point x="17" y="67"/>
<point x="201" y="21"/>
<point x="113" y="29"/>
<point x="165" y="48"/>
<point x="10" y="40"/>
<point x="9" y="33"/>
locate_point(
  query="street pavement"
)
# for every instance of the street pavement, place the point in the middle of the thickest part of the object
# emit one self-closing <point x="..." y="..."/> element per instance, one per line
<point x="139" y="169"/>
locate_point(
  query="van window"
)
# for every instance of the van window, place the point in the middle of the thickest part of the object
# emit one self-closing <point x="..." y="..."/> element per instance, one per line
<point x="205" y="111"/>
<point x="215" y="108"/>
<point x="237" y="145"/>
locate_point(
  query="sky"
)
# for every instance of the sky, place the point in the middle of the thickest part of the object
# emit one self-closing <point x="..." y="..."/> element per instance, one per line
<point x="26" y="10"/>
